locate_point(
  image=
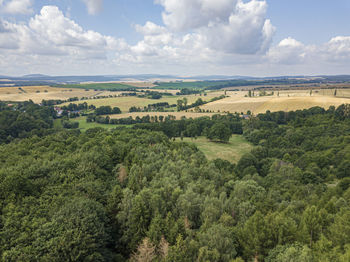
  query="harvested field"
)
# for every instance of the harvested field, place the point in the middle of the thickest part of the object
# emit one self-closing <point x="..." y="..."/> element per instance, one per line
<point x="285" y="101"/>
<point x="38" y="93"/>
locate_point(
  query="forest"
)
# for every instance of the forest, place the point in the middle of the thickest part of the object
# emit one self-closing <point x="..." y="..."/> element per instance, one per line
<point x="134" y="194"/>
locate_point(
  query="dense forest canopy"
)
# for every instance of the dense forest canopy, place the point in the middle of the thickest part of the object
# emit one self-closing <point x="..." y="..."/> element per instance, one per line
<point x="136" y="195"/>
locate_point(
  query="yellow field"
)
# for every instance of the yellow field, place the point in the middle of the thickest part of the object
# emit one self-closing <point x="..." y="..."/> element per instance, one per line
<point x="177" y="115"/>
<point x="286" y="101"/>
<point x="38" y="93"/>
<point x="236" y="102"/>
<point x="130" y="83"/>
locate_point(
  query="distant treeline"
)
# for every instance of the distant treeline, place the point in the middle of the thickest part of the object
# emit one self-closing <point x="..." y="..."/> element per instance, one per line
<point x="218" y="84"/>
<point x="159" y="107"/>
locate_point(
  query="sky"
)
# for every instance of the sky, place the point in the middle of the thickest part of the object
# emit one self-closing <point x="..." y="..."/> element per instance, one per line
<point x="178" y="37"/>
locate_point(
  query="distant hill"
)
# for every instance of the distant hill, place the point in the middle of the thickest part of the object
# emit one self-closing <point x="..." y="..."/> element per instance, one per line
<point x="40" y="79"/>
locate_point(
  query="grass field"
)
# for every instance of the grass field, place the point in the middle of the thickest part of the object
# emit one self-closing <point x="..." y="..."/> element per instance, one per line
<point x="286" y="101"/>
<point x="231" y="151"/>
<point x="83" y="125"/>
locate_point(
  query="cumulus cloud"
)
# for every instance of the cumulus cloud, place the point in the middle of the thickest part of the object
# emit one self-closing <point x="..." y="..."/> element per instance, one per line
<point x="8" y="37"/>
<point x="246" y="32"/>
<point x="230" y="37"/>
<point x="291" y="51"/>
<point x="288" y="51"/>
<point x="51" y="33"/>
<point x="181" y="15"/>
<point x="93" y="6"/>
<point x="16" y="6"/>
<point x="150" y="28"/>
<point x="230" y="26"/>
<point x="338" y="48"/>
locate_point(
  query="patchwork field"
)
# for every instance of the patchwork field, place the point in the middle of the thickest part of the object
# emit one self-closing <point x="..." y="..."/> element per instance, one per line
<point x="138" y="84"/>
<point x="280" y="101"/>
<point x="231" y="151"/>
<point x="38" y="93"/>
<point x="237" y="101"/>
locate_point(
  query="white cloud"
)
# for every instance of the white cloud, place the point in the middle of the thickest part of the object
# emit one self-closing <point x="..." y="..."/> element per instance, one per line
<point x="338" y="48"/>
<point x="8" y="38"/>
<point x="50" y="33"/>
<point x="16" y="6"/>
<point x="230" y="37"/>
<point x="246" y="32"/>
<point x="288" y="51"/>
<point x="182" y="15"/>
<point x="293" y="52"/>
<point x="93" y="6"/>
<point x="150" y="28"/>
<point x="230" y="26"/>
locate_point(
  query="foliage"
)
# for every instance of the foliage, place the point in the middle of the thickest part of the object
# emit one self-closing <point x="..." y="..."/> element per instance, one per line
<point x="133" y="194"/>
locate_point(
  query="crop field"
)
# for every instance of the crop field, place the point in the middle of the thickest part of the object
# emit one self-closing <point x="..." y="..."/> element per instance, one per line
<point x="177" y="115"/>
<point x="231" y="151"/>
<point x="137" y="84"/>
<point x="124" y="103"/>
<point x="286" y="101"/>
<point x="38" y="93"/>
<point x="100" y="86"/>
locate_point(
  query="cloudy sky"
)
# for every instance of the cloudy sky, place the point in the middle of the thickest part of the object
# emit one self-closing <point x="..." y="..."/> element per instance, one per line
<point x="184" y="37"/>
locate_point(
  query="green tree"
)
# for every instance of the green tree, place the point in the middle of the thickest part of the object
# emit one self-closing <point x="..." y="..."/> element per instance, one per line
<point x="179" y="104"/>
<point x="311" y="224"/>
<point x="219" y="132"/>
<point x="77" y="232"/>
<point x="254" y="237"/>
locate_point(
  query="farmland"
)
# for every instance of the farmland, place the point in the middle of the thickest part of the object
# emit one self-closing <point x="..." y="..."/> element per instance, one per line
<point x="237" y="101"/>
<point x="231" y="151"/>
<point x="102" y="86"/>
<point x="124" y="103"/>
<point x="285" y="101"/>
<point x="38" y="93"/>
<point x="178" y="115"/>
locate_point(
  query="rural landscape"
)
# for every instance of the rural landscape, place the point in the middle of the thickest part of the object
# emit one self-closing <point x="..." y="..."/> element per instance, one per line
<point x="174" y="131"/>
<point x="178" y="171"/>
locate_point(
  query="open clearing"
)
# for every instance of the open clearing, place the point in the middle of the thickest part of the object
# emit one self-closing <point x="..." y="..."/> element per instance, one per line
<point x="231" y="151"/>
<point x="286" y="101"/>
<point x="83" y="125"/>
<point x="177" y="115"/>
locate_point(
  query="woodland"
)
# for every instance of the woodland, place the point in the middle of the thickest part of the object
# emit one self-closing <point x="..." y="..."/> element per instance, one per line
<point x="134" y="194"/>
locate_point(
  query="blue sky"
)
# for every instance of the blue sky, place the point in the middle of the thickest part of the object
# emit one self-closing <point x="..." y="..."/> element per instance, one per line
<point x="185" y="37"/>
